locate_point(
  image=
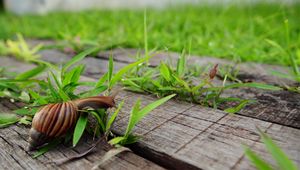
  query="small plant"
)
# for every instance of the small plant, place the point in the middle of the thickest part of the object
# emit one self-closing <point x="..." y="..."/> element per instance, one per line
<point x="14" y="87"/>
<point x="282" y="160"/>
<point x="20" y="49"/>
<point x="166" y="79"/>
<point x="73" y="45"/>
<point x="60" y="86"/>
<point x="136" y="114"/>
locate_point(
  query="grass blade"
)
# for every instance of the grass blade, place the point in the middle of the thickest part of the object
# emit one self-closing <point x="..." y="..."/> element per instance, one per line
<point x="53" y="92"/>
<point x="132" y="118"/>
<point x="116" y="140"/>
<point x="280" y="157"/>
<point x="73" y="75"/>
<point x="145" y="34"/>
<point x="113" y="116"/>
<point x="181" y="63"/>
<point x="110" y="68"/>
<point x="121" y="72"/>
<point x="79" y="128"/>
<point x="101" y="80"/>
<point x="31" y="73"/>
<point x="109" y="155"/>
<point x="259" y="163"/>
<point x="46" y="148"/>
<point x="78" y="58"/>
<point x="100" y="121"/>
<point x="237" y="108"/>
<point x="137" y="114"/>
<point x="165" y="72"/>
<point x="254" y="85"/>
<point x="7" y="119"/>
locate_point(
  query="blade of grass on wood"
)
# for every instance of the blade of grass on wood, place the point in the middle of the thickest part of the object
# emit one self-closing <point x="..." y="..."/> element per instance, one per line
<point x="181" y="64"/>
<point x="121" y="72"/>
<point x="78" y="58"/>
<point x="259" y="163"/>
<point x="254" y="85"/>
<point x="280" y="157"/>
<point x="7" y="119"/>
<point x="79" y="128"/>
<point x="136" y="114"/>
<point x="237" y="108"/>
<point x="46" y="148"/>
<point x="165" y="72"/>
<point x="101" y="80"/>
<point x="31" y="73"/>
<point x="110" y="68"/>
<point x="113" y="116"/>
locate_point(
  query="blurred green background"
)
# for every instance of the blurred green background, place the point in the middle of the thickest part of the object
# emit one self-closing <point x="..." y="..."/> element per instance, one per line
<point x="261" y="32"/>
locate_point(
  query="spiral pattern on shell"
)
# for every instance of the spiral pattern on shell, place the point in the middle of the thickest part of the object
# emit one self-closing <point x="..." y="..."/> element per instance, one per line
<point x="54" y="120"/>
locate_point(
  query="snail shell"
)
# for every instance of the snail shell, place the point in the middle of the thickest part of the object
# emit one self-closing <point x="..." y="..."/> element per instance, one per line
<point x="54" y="120"/>
<point x="51" y="121"/>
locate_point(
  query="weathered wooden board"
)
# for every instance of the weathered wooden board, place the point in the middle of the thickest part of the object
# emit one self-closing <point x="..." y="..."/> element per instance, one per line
<point x="289" y="117"/>
<point x="247" y="71"/>
<point x="279" y="106"/>
<point x="201" y="137"/>
<point x="14" y="142"/>
<point x="274" y="106"/>
<point x="281" y="134"/>
<point x="183" y="135"/>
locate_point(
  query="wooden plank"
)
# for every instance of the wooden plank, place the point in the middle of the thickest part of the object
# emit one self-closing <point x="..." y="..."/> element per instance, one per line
<point x="14" y="141"/>
<point x="202" y="137"/>
<point x="93" y="66"/>
<point x="280" y="134"/>
<point x="158" y="131"/>
<point x="14" y="154"/>
<point x="248" y="71"/>
<point x="182" y="135"/>
<point x="279" y="106"/>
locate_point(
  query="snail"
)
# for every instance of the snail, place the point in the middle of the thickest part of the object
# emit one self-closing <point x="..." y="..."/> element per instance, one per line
<point x="54" y="120"/>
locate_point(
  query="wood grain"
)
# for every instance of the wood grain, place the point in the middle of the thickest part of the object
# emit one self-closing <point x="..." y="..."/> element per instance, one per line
<point x="14" y="143"/>
<point x="280" y="107"/>
<point x="181" y="135"/>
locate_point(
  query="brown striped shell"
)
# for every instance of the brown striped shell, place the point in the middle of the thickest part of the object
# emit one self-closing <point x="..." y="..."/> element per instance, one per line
<point x="54" y="120"/>
<point x="51" y="121"/>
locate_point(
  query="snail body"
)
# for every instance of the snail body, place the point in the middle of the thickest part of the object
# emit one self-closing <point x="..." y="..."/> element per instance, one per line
<point x="54" y="120"/>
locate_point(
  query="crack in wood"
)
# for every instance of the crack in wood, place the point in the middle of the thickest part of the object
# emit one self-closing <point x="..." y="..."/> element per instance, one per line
<point x="217" y="125"/>
<point x="199" y="134"/>
<point x="243" y="156"/>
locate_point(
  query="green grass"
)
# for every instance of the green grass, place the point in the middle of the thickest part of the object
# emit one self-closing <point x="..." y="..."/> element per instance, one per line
<point x="232" y="32"/>
<point x="282" y="160"/>
<point x="60" y="87"/>
<point x="188" y="83"/>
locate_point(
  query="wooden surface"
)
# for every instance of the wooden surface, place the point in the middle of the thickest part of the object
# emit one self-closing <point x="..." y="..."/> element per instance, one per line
<point x="14" y="143"/>
<point x="280" y="107"/>
<point x="177" y="135"/>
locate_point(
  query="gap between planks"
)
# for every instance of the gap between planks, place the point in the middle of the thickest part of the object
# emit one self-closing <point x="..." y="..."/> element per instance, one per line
<point x="210" y="134"/>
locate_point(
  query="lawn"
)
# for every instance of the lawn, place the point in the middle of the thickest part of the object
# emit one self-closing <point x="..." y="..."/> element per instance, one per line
<point x="246" y="33"/>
